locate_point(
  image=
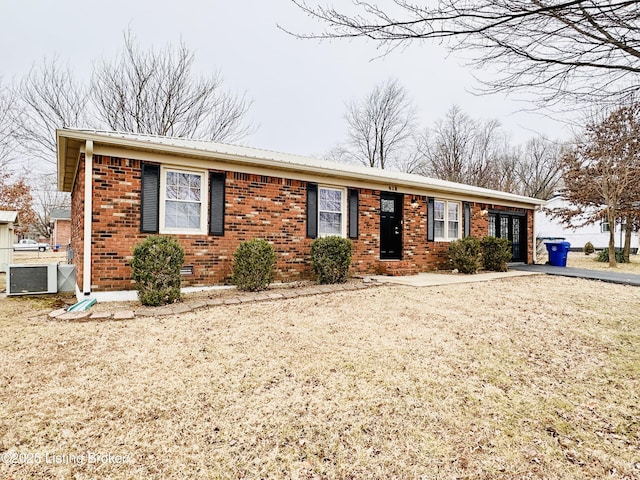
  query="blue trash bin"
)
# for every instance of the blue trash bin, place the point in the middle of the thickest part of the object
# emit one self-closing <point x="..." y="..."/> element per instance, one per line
<point x="558" y="252"/>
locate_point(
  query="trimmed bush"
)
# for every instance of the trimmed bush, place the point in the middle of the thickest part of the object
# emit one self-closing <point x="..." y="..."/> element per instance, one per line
<point x="603" y="256"/>
<point x="156" y="268"/>
<point x="330" y="259"/>
<point x="496" y="252"/>
<point x="588" y="248"/>
<point x="464" y="255"/>
<point x="253" y="265"/>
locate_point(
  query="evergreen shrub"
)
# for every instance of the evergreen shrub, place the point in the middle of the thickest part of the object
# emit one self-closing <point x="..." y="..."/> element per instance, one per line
<point x="156" y="265"/>
<point x="588" y="248"/>
<point x="603" y="256"/>
<point x="253" y="265"/>
<point x="496" y="252"/>
<point x="464" y="255"/>
<point x="330" y="259"/>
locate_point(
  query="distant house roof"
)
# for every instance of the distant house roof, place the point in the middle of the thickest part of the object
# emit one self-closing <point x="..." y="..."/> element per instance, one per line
<point x="72" y="142"/>
<point x="60" y="214"/>
<point x="9" y="216"/>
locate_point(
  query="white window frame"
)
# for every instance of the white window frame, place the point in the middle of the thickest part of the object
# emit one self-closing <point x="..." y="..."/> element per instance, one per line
<point x="204" y="201"/>
<point x="343" y="210"/>
<point x="604" y="226"/>
<point x="446" y="237"/>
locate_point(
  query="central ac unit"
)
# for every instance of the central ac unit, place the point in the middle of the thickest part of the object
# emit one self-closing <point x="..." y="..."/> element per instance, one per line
<point x="28" y="279"/>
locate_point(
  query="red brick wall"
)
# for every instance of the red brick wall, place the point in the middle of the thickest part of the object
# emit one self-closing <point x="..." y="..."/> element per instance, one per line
<point x="273" y="208"/>
<point x="366" y="248"/>
<point x="77" y="222"/>
<point x="256" y="206"/>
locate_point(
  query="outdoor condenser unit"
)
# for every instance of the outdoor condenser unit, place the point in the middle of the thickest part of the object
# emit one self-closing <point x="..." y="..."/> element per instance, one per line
<point x="28" y="279"/>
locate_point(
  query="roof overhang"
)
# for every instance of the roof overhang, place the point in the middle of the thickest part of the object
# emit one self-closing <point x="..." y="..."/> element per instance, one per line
<point x="9" y="216"/>
<point x="71" y="144"/>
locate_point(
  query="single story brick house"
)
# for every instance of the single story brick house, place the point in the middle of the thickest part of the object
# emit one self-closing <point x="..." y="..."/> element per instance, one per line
<point x="212" y="196"/>
<point x="61" y="232"/>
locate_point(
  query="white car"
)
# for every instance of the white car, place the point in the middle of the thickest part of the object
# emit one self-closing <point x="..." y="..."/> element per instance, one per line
<point x="28" y="245"/>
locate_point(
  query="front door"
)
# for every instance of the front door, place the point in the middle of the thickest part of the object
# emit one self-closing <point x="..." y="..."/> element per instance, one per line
<point x="390" y="226"/>
<point x="512" y="227"/>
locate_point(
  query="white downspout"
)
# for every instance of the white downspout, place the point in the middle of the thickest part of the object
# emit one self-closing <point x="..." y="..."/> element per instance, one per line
<point x="538" y="208"/>
<point x="88" y="209"/>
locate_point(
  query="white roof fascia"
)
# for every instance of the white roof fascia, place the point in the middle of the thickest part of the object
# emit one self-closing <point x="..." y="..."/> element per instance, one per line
<point x="8" y="216"/>
<point x="285" y="161"/>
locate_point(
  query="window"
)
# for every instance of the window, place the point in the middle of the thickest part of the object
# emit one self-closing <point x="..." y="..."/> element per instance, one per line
<point x="604" y="226"/>
<point x="438" y="218"/>
<point x="493" y="231"/>
<point x="183" y="201"/>
<point x="331" y="212"/>
<point x="453" y="211"/>
<point x="327" y="209"/>
<point x="446" y="220"/>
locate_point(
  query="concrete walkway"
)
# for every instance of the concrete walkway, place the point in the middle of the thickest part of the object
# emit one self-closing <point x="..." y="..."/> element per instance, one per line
<point x="621" y="278"/>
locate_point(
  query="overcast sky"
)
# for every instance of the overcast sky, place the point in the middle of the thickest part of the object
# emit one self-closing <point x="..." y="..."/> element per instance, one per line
<point x="299" y="87"/>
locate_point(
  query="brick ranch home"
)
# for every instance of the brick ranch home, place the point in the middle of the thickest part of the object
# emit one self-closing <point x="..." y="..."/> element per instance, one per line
<point x="212" y="196"/>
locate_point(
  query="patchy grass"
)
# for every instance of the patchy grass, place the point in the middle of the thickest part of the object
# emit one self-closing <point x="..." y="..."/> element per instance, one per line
<point x="531" y="377"/>
<point x="580" y="260"/>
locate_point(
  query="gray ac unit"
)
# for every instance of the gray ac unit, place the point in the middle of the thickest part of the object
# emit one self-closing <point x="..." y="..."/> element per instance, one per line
<point x="26" y="279"/>
<point x="66" y="278"/>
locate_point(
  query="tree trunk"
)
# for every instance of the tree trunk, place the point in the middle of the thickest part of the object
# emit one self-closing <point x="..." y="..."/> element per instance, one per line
<point x="612" y="238"/>
<point x="627" y="239"/>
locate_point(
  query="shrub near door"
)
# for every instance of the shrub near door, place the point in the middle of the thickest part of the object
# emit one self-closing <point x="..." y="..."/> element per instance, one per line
<point x="496" y="252"/>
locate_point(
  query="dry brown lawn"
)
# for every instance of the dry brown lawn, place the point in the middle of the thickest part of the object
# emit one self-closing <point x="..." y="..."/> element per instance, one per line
<point x="530" y="377"/>
<point x="580" y="260"/>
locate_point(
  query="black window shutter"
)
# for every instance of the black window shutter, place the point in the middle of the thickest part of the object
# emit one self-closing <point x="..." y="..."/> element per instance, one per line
<point x="150" y="198"/>
<point x="216" y="203"/>
<point x="467" y="219"/>
<point x="312" y="210"/>
<point x="430" y="229"/>
<point x="353" y="213"/>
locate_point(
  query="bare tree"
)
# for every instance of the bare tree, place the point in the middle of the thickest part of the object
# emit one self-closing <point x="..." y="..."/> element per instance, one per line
<point x="581" y="49"/>
<point x="379" y="126"/>
<point x="538" y="170"/>
<point x="50" y="97"/>
<point x="602" y="174"/>
<point x="47" y="198"/>
<point x="144" y="92"/>
<point x="460" y="149"/>
<point x="155" y="92"/>
<point x="7" y="129"/>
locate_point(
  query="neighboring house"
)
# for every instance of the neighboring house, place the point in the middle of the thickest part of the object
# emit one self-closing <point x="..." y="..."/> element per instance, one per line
<point x="596" y="233"/>
<point x="61" y="234"/>
<point x="213" y="196"/>
<point x="8" y="220"/>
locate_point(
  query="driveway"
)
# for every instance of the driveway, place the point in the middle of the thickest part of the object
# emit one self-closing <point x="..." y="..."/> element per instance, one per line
<point x="621" y="278"/>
